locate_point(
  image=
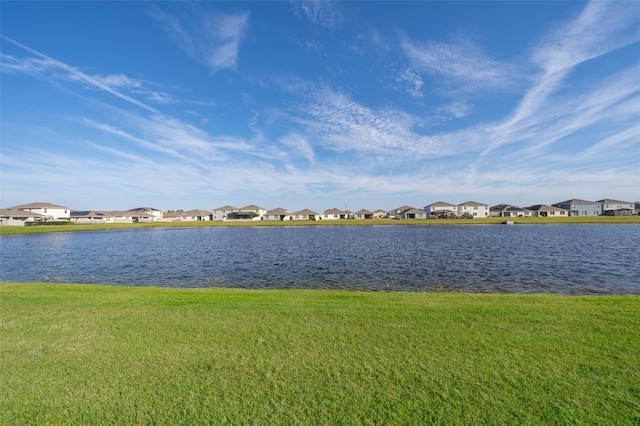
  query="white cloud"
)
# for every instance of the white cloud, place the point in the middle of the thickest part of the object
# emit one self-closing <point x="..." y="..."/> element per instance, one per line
<point x="299" y="145"/>
<point x="212" y="39"/>
<point x="320" y="12"/>
<point x="412" y="83"/>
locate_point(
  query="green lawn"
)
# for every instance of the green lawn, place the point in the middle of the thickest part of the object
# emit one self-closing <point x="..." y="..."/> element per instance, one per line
<point x="9" y="230"/>
<point x="83" y="354"/>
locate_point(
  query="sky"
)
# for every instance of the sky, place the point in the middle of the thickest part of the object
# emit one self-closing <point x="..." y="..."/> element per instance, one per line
<point x="315" y="104"/>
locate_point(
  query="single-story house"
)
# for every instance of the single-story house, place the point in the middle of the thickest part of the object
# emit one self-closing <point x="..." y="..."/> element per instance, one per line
<point x="379" y="214"/>
<point x="304" y="214"/>
<point x="543" y="210"/>
<point x="277" y="214"/>
<point x="474" y="209"/>
<point x="578" y="207"/>
<point x="13" y="217"/>
<point x="508" y="210"/>
<point x="363" y="214"/>
<point x="332" y="214"/>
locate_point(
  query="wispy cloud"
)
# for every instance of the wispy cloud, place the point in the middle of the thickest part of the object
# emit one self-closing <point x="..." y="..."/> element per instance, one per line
<point x="323" y="13"/>
<point x="460" y="61"/>
<point x="211" y="38"/>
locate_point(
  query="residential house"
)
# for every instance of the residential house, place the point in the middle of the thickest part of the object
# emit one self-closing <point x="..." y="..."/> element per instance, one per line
<point x="146" y="214"/>
<point x="277" y="214"/>
<point x="473" y="209"/>
<point x="441" y="209"/>
<point x="13" y="217"/>
<point x="251" y="213"/>
<point x="617" y="207"/>
<point x="379" y="214"/>
<point x="543" y="210"/>
<point x="508" y="210"/>
<point x="197" y="215"/>
<point x="87" y="217"/>
<point x="221" y="213"/>
<point x="578" y="207"/>
<point x="332" y="214"/>
<point x="305" y="214"/>
<point x="56" y="212"/>
<point x="363" y="214"/>
<point x="259" y="211"/>
<point x="407" y="212"/>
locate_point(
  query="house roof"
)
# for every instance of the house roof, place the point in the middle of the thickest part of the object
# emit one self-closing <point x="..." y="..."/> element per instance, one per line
<point x="575" y="201"/>
<point x="277" y="211"/>
<point x="505" y="208"/>
<point x="144" y="209"/>
<point x="89" y="213"/>
<point x="21" y="213"/>
<point x="333" y="211"/>
<point x="38" y="206"/>
<point x="472" y="203"/>
<point x="252" y="207"/>
<point x="198" y="212"/>
<point x="441" y="203"/>
<point x="305" y="212"/>
<point x="413" y="210"/>
<point x="363" y="211"/>
<point x="610" y="201"/>
<point x="544" y="208"/>
<point x="225" y="208"/>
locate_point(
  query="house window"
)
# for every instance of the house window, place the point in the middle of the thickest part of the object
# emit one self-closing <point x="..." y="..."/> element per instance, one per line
<point x="552" y="213"/>
<point x="584" y="213"/>
<point x="475" y="207"/>
<point x="45" y="210"/>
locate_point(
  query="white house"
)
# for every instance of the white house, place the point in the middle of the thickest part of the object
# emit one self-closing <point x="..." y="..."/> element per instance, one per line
<point x="332" y="214"/>
<point x="543" y="210"/>
<point x="259" y="211"/>
<point x="146" y="214"/>
<point x="277" y="214"/>
<point x="440" y="207"/>
<point x="473" y="209"/>
<point x="221" y="213"/>
<point x="13" y="217"/>
<point x="57" y="213"/>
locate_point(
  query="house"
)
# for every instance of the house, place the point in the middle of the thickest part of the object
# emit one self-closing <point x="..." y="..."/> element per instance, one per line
<point x="407" y="212"/>
<point x="305" y="214"/>
<point x="379" y="214"/>
<point x="197" y="215"/>
<point x="543" y="210"/>
<point x="146" y="214"/>
<point x="277" y="214"/>
<point x="13" y="217"/>
<point x="87" y="217"/>
<point x="251" y="212"/>
<point x="363" y="214"/>
<point x="332" y="214"/>
<point x="259" y="211"/>
<point x="508" y="210"/>
<point x="117" y="217"/>
<point x="473" y="209"/>
<point x="617" y="207"/>
<point x="56" y="212"/>
<point x="441" y="209"/>
<point x="221" y="213"/>
<point x="578" y="207"/>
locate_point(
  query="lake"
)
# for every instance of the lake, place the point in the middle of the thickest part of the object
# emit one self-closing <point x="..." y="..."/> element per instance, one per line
<point x="561" y="259"/>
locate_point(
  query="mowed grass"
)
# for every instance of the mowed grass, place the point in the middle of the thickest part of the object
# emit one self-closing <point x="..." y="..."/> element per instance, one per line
<point x="12" y="230"/>
<point x="82" y="354"/>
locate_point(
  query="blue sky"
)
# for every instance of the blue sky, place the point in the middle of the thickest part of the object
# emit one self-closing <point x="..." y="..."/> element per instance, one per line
<point x="115" y="105"/>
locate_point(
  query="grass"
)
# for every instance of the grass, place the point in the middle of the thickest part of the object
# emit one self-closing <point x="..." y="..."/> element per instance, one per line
<point x="81" y="354"/>
<point x="11" y="230"/>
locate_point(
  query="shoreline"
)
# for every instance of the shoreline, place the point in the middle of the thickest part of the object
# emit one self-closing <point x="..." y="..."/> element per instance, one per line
<point x="42" y="229"/>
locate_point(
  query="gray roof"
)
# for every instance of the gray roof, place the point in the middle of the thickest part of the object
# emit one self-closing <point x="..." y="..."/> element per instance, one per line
<point x="277" y="211"/>
<point x="440" y="203"/>
<point x="363" y="211"/>
<point x="575" y="201"/>
<point x="198" y="212"/>
<point x="544" y="207"/>
<point x="305" y="212"/>
<point x="21" y="213"/>
<point x="38" y="206"/>
<point x="473" y="203"/>
<point x="333" y="211"/>
<point x="610" y="201"/>
<point x="252" y="207"/>
<point x="225" y="208"/>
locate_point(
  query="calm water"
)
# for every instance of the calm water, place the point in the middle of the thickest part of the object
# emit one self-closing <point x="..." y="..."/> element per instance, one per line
<point x="564" y="259"/>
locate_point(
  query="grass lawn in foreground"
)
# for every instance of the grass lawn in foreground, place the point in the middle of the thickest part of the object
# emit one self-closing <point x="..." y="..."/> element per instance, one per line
<point x="83" y="354"/>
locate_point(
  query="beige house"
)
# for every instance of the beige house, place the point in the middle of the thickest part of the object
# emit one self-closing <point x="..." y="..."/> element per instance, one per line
<point x="11" y="217"/>
<point x="363" y="214"/>
<point x="259" y="211"/>
<point x="305" y="214"/>
<point x="277" y="214"/>
<point x="508" y="210"/>
<point x="543" y="210"/>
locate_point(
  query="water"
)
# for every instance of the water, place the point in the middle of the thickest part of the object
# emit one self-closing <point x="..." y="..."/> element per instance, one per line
<point x="561" y="259"/>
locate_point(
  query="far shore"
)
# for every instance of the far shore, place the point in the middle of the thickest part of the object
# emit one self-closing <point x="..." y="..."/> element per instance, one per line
<point x="40" y="229"/>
